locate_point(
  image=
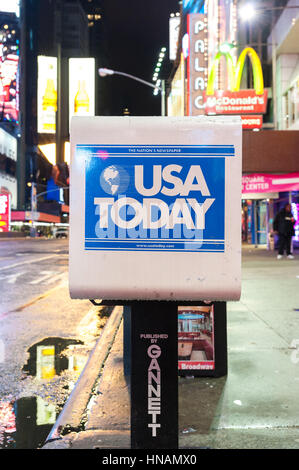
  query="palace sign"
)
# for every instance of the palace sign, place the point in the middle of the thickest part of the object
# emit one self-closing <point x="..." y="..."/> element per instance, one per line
<point x="197" y="63"/>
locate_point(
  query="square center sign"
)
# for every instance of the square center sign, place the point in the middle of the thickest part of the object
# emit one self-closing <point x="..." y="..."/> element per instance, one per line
<point x="155" y="208"/>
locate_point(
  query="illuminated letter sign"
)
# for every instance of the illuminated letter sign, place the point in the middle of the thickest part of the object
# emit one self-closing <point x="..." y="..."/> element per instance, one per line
<point x="47" y="94"/>
<point x="213" y="72"/>
<point x="234" y="100"/>
<point x="81" y="87"/>
<point x="4" y="212"/>
<point x="9" y="71"/>
<point x="197" y="63"/>
<point x="10" y="6"/>
<point x="174" y="28"/>
<point x="258" y="81"/>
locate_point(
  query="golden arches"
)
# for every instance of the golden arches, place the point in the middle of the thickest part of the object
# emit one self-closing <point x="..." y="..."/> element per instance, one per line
<point x="235" y="72"/>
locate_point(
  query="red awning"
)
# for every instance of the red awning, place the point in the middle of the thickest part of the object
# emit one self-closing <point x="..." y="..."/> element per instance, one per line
<point x="25" y="216"/>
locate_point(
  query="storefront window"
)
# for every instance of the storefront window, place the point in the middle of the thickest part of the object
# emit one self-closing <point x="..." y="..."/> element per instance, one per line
<point x="292" y="105"/>
<point x="262" y="223"/>
<point x="296" y="100"/>
<point x="255" y="224"/>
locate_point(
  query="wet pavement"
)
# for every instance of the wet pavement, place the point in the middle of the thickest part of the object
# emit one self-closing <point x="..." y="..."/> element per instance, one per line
<point x="26" y="422"/>
<point x="45" y="339"/>
<point x="254" y="407"/>
<point x="46" y="344"/>
<point x="46" y="358"/>
<point x="46" y="380"/>
<point x="28" y="268"/>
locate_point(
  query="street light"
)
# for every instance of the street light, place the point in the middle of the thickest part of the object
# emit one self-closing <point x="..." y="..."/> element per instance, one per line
<point x="103" y="72"/>
<point x="247" y="12"/>
<point x="34" y="196"/>
<point x="226" y="47"/>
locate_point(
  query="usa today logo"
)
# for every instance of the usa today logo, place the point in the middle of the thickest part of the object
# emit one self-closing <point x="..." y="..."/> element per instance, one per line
<point x="114" y="180"/>
<point x="155" y="203"/>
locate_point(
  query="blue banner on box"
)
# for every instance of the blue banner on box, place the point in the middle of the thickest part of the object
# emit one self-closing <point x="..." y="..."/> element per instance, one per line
<point x="155" y="198"/>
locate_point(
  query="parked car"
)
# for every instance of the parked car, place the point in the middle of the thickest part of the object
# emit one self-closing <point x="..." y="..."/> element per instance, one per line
<point x="61" y="232"/>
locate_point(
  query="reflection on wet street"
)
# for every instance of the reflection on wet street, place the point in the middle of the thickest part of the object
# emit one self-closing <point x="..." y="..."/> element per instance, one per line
<point x="47" y="360"/>
<point x="26" y="422"/>
<point x="45" y="339"/>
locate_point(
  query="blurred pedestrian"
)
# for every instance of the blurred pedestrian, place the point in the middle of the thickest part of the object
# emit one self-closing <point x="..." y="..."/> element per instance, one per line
<point x="283" y="225"/>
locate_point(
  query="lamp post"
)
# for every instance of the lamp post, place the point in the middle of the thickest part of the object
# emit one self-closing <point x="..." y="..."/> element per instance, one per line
<point x="58" y="132"/>
<point x="103" y="72"/>
<point x="34" y="196"/>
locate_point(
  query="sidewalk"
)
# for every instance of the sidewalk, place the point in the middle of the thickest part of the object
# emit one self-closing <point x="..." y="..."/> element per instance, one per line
<point x="255" y="406"/>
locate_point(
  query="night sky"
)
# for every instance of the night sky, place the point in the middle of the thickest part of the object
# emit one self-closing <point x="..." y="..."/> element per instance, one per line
<point x="132" y="34"/>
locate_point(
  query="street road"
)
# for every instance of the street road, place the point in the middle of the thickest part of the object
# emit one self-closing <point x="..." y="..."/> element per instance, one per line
<point x="28" y="268"/>
<point x="45" y="338"/>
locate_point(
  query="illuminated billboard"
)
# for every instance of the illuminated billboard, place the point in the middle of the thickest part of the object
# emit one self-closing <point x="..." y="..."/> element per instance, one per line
<point x="10" y="6"/>
<point x="174" y="29"/>
<point x="47" y="95"/>
<point x="222" y="21"/>
<point x="193" y="6"/>
<point x="81" y="87"/>
<point x="8" y="148"/>
<point x="9" y="61"/>
<point x="175" y="101"/>
<point x="8" y="166"/>
<point x="8" y="185"/>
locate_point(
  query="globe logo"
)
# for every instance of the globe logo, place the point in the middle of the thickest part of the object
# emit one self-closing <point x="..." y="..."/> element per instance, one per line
<point x="114" y="180"/>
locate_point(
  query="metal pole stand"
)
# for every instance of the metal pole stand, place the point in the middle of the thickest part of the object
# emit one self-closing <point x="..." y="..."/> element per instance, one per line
<point x="154" y="375"/>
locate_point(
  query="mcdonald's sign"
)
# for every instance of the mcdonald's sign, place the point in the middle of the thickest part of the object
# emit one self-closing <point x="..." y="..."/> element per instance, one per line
<point x="234" y="100"/>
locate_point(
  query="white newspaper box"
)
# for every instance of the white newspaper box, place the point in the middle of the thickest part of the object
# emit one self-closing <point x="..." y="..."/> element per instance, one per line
<point x="155" y="208"/>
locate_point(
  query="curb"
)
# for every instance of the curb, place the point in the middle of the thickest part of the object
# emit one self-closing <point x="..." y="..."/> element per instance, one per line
<point x="72" y="414"/>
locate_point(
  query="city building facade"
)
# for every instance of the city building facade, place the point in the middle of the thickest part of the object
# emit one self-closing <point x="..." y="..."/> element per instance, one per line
<point x="52" y="32"/>
<point x="225" y="66"/>
<point x="9" y="110"/>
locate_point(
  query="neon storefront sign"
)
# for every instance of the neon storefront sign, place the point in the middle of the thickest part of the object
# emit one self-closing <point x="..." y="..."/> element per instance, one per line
<point x="295" y="212"/>
<point x="4" y="212"/>
<point x="234" y="100"/>
<point x="266" y="183"/>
